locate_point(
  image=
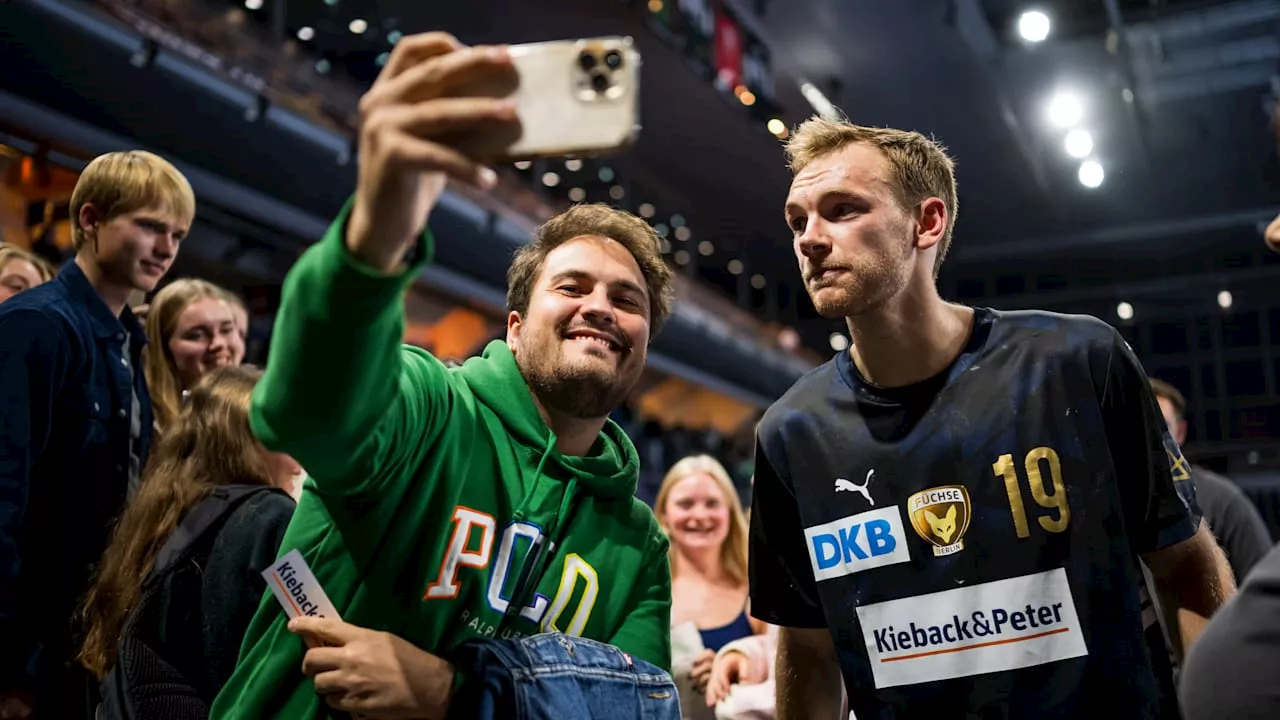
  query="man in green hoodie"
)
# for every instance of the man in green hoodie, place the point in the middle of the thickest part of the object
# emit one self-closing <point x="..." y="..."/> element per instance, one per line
<point x="491" y="500"/>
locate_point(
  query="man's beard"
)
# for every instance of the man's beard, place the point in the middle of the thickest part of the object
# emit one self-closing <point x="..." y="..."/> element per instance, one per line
<point x="576" y="391"/>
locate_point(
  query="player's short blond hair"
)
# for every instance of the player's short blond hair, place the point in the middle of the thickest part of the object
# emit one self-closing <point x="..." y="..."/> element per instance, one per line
<point x="921" y="167"/>
<point x="123" y="182"/>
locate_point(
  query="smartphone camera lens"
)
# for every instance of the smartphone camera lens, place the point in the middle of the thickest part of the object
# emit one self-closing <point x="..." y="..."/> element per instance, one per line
<point x="613" y="59"/>
<point x="586" y="61"/>
<point x="599" y="82"/>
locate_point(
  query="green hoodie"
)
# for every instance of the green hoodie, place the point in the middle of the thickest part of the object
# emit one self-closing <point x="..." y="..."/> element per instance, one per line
<point x="429" y="486"/>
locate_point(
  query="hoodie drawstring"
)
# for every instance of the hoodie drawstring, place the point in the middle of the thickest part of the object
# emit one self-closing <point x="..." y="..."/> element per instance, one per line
<point x="545" y="546"/>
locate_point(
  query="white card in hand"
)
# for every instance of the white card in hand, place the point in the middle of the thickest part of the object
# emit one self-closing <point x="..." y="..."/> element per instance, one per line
<point x="686" y="643"/>
<point x="297" y="589"/>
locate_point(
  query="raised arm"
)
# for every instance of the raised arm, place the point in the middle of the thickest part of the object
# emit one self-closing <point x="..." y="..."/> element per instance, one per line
<point x="340" y="393"/>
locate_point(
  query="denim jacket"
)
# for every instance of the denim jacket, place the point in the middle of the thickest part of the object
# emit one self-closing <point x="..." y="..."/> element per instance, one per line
<point x="66" y="378"/>
<point x="558" y="677"/>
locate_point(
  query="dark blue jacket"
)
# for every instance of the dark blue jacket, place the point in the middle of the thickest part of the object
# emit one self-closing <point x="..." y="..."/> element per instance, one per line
<point x="65" y="397"/>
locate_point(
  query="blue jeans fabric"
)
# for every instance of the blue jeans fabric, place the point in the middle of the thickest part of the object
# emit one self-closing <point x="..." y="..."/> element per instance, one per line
<point x="558" y="677"/>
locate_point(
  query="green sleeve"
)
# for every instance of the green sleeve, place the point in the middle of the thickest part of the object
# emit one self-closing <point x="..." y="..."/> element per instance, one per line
<point x="341" y="394"/>
<point x="646" y="630"/>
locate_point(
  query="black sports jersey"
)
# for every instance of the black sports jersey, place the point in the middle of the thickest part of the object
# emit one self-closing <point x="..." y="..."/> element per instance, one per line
<point x="971" y="541"/>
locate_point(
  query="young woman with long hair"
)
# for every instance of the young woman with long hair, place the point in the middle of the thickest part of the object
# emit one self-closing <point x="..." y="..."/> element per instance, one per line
<point x="192" y="326"/>
<point x="208" y="445"/>
<point x="698" y="508"/>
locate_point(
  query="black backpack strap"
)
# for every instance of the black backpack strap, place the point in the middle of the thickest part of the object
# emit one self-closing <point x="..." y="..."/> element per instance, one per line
<point x="218" y="504"/>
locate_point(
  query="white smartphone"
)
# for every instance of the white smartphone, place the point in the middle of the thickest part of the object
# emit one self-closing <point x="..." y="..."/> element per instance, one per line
<point x="577" y="98"/>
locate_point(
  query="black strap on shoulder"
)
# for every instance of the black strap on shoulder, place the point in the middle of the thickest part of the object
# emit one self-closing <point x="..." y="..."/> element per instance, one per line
<point x="218" y="504"/>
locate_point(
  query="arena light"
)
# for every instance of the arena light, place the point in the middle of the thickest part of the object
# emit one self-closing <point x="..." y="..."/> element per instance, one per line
<point x="1124" y="311"/>
<point x="306" y="32"/>
<point x="617" y="192"/>
<point x="758" y="281"/>
<point x="818" y="101"/>
<point x="1225" y="299"/>
<point x="682" y="257"/>
<point x="577" y="194"/>
<point x="1091" y="174"/>
<point x="550" y="179"/>
<point x="253" y="4"/>
<point x="573" y="165"/>
<point x="778" y="128"/>
<point x="735" y="267"/>
<point x="358" y="26"/>
<point x="705" y="248"/>
<point x="1034" y="26"/>
<point x="839" y="342"/>
<point x="1078" y="143"/>
<point x="646" y="210"/>
<point x="1065" y="110"/>
<point x="683" y="233"/>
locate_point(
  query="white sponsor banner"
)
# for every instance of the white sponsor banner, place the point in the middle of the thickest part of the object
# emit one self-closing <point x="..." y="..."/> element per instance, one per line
<point x="993" y="627"/>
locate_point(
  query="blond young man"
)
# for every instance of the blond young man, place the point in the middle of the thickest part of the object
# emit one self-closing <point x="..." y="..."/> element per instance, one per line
<point x="75" y="419"/>
<point x="1013" y="472"/>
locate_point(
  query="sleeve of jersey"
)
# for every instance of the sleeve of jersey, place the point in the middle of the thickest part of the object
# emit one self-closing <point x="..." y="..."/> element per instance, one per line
<point x="783" y="590"/>
<point x="1157" y="493"/>
<point x="341" y="394"/>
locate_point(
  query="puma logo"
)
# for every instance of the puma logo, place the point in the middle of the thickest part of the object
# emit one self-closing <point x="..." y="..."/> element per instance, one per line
<point x="843" y="485"/>
<point x="945" y="527"/>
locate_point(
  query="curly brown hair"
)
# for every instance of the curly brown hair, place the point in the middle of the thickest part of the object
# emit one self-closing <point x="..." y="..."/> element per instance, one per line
<point x="600" y="220"/>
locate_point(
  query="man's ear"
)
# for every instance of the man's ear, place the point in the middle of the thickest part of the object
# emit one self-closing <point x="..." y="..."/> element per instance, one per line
<point x="514" y="324"/>
<point x="931" y="223"/>
<point x="88" y="221"/>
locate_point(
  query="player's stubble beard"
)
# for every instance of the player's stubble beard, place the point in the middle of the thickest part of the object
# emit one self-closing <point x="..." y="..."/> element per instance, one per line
<point x="583" y="389"/>
<point x="872" y="280"/>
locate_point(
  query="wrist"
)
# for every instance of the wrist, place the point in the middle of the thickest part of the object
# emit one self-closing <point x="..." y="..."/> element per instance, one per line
<point x="439" y="694"/>
<point x="363" y="244"/>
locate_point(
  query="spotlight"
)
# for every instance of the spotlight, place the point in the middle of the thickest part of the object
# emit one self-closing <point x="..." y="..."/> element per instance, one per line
<point x="1065" y="110"/>
<point x="1079" y="143"/>
<point x="1091" y="174"/>
<point x="358" y="26"/>
<point x="1125" y="311"/>
<point x="1034" y="26"/>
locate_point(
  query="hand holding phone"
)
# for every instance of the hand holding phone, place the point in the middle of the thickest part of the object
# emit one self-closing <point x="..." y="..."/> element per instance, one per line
<point x="422" y="103"/>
